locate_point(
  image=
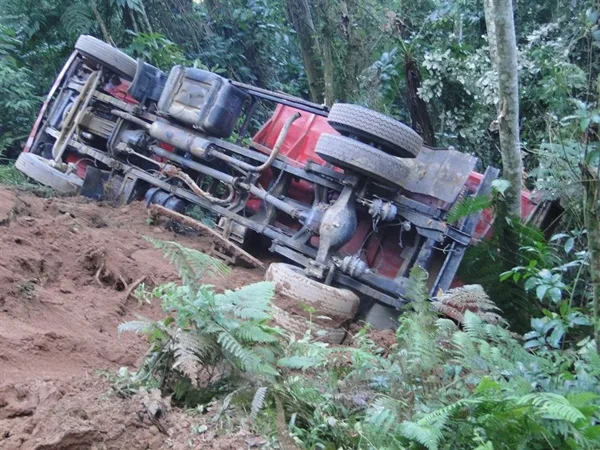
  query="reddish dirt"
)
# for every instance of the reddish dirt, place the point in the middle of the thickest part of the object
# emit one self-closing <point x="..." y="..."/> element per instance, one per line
<point x="64" y="268"/>
<point x="385" y="339"/>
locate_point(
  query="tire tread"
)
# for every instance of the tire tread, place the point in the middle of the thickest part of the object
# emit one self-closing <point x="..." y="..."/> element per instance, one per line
<point x="107" y="55"/>
<point x="392" y="135"/>
<point x="353" y="155"/>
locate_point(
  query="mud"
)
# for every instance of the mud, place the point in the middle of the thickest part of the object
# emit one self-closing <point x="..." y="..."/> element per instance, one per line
<point x="66" y="266"/>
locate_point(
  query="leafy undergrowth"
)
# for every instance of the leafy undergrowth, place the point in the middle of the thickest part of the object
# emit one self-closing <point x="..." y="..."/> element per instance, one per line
<point x="11" y="176"/>
<point x="443" y="385"/>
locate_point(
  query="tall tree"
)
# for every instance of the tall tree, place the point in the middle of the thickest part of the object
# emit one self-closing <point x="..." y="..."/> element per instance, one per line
<point x="326" y="32"/>
<point x="591" y="212"/>
<point x="300" y="15"/>
<point x="508" y="90"/>
<point x="490" y="25"/>
<point x="419" y="114"/>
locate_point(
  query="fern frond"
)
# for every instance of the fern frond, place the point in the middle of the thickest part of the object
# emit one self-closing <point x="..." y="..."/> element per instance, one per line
<point x="468" y="353"/>
<point x="197" y="342"/>
<point x="472" y="298"/>
<point x="446" y="326"/>
<point x="191" y="264"/>
<point x="251" y="333"/>
<point x="468" y="206"/>
<point x="416" y="285"/>
<point x="582" y="399"/>
<point x="552" y="406"/>
<point x="296" y="388"/>
<point x="250" y="302"/>
<point x="258" y="402"/>
<point x="441" y="416"/>
<point x="186" y="358"/>
<point x="77" y="19"/>
<point x="266" y="353"/>
<point x="382" y="421"/>
<point x="473" y="325"/>
<point x="142" y="325"/>
<point x="245" y="357"/>
<point x="299" y="362"/>
<point x="225" y="404"/>
<point x="382" y="416"/>
<point x="231" y="345"/>
<point x="427" y="435"/>
<point x="262" y="368"/>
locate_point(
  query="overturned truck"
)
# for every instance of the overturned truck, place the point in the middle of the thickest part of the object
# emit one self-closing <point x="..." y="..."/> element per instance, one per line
<point x="349" y="197"/>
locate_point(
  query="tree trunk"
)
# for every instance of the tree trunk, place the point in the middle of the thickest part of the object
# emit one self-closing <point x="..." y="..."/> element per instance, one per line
<point x="329" y="92"/>
<point x="416" y="105"/>
<point x="326" y="34"/>
<point x="591" y="212"/>
<point x="146" y="20"/>
<point x="508" y="118"/>
<point x="300" y="16"/>
<point x="105" y="34"/>
<point x="129" y="20"/>
<point x="490" y="26"/>
<point x="352" y="58"/>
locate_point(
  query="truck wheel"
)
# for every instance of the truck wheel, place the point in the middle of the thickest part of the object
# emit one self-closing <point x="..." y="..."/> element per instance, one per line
<point x="362" y="158"/>
<point x="298" y="325"/>
<point x="371" y="126"/>
<point x="327" y="300"/>
<point x="36" y="167"/>
<point x="106" y="55"/>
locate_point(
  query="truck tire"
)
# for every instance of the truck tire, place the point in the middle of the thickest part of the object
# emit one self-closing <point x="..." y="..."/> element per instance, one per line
<point x="106" y="55"/>
<point x="355" y="156"/>
<point x="327" y="300"/>
<point x="36" y="167"/>
<point x="371" y="126"/>
<point x="297" y="325"/>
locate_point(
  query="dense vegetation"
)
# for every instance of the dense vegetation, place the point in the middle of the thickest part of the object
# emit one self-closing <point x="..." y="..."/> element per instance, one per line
<point x="458" y="381"/>
<point x="453" y="384"/>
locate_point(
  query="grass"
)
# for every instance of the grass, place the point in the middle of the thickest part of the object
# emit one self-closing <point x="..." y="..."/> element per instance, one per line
<point x="11" y="176"/>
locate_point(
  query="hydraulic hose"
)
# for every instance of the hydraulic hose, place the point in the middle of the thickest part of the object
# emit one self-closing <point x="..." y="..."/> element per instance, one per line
<point x="228" y="179"/>
<point x="173" y="171"/>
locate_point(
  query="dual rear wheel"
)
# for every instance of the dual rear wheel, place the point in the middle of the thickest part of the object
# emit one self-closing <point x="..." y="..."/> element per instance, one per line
<point x="378" y="147"/>
<point x="371" y="144"/>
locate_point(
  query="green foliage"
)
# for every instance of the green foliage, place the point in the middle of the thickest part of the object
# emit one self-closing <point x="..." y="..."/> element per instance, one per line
<point x="445" y="388"/>
<point x="207" y="338"/>
<point x="78" y="19"/>
<point x="553" y="274"/>
<point x="442" y="386"/>
<point x="10" y="176"/>
<point x="191" y="264"/>
<point x="157" y="50"/>
<point x="468" y="206"/>
<point x="248" y="41"/>
<point x="18" y="101"/>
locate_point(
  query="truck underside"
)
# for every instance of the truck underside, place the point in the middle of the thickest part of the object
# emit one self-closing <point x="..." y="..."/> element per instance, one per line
<point x="348" y="195"/>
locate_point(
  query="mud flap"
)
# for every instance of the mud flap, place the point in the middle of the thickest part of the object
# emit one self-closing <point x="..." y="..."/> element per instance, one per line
<point x="93" y="183"/>
<point x="440" y="173"/>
